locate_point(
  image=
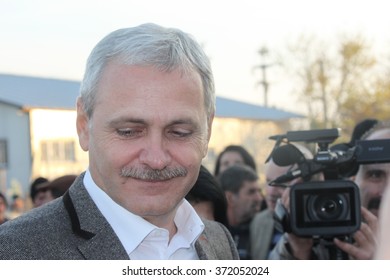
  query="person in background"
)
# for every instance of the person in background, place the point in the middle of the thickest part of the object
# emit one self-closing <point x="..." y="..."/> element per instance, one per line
<point x="373" y="180"/>
<point x="263" y="231"/>
<point x="17" y="206"/>
<point x="382" y="251"/>
<point x="208" y="198"/>
<point x="144" y="115"/>
<point x="3" y="208"/>
<point x="51" y="190"/>
<point x="358" y="131"/>
<point x="33" y="189"/>
<point x="243" y="194"/>
<point x="361" y="128"/>
<point x="233" y="154"/>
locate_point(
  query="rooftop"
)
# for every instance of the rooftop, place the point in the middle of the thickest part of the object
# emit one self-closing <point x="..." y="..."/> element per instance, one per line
<point x="33" y="92"/>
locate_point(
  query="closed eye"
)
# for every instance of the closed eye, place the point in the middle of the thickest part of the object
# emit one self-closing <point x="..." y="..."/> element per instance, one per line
<point x="180" y="133"/>
<point x="128" y="132"/>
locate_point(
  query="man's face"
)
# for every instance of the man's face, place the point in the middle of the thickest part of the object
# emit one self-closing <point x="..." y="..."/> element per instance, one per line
<point x="247" y="202"/>
<point x="228" y="159"/>
<point x="146" y="138"/>
<point x="373" y="179"/>
<point x="273" y="193"/>
<point x="42" y="197"/>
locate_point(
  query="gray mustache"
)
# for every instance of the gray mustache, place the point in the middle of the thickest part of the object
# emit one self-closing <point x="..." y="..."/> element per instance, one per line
<point x="148" y="174"/>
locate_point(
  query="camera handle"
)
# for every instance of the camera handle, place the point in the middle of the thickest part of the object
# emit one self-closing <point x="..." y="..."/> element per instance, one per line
<point x="336" y="253"/>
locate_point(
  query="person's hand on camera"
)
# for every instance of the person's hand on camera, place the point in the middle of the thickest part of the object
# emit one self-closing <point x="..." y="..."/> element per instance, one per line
<point x="300" y="246"/>
<point x="365" y="239"/>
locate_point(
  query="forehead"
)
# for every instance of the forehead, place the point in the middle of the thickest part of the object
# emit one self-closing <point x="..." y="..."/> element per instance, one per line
<point x="250" y="185"/>
<point x="133" y="76"/>
<point x="131" y="89"/>
<point x="376" y="166"/>
<point x="272" y="170"/>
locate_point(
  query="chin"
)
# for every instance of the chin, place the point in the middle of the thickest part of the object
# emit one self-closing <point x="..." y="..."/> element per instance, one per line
<point x="152" y="207"/>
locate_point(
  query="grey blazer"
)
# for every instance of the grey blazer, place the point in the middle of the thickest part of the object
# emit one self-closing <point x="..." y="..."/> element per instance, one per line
<point x="72" y="227"/>
<point x="261" y="231"/>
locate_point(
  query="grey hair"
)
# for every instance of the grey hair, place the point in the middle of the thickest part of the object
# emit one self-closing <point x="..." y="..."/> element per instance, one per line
<point x="148" y="44"/>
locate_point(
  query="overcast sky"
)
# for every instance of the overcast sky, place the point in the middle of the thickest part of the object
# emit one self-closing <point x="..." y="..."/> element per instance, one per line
<point x="51" y="38"/>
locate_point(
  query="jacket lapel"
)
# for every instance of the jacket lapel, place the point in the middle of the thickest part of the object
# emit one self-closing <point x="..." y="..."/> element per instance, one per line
<point x="100" y="242"/>
<point x="204" y="249"/>
<point x="103" y="247"/>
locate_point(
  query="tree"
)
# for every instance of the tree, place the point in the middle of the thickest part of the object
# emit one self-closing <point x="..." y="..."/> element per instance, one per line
<point x="370" y="102"/>
<point x="339" y="83"/>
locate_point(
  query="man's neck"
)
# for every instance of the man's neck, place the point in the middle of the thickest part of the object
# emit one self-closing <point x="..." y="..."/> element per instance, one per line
<point x="234" y="220"/>
<point x="166" y="222"/>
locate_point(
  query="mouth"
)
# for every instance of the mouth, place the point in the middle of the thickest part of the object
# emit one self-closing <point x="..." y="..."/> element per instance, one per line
<point x="152" y="182"/>
<point x="374" y="203"/>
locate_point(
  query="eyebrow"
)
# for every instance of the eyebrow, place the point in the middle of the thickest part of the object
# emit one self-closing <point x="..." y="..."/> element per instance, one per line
<point x="375" y="166"/>
<point x="120" y="121"/>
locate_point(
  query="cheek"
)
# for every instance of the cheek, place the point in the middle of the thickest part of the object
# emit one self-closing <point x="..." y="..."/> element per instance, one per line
<point x="189" y="155"/>
<point x="106" y="148"/>
<point x="365" y="193"/>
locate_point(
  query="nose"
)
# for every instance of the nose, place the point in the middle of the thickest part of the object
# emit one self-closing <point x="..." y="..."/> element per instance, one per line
<point x="378" y="189"/>
<point x="154" y="153"/>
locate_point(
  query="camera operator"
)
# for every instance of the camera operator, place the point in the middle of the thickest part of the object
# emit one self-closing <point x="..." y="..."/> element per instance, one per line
<point x="263" y="231"/>
<point x="293" y="247"/>
<point x="372" y="180"/>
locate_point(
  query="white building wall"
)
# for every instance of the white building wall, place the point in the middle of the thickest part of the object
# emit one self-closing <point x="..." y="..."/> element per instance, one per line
<point x="55" y="126"/>
<point x="14" y="129"/>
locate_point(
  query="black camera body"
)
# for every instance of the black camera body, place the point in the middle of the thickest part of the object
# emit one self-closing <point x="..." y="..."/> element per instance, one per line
<point x="328" y="208"/>
<point x="325" y="208"/>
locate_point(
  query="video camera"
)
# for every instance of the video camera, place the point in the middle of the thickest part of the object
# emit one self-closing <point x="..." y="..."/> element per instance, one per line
<point x="328" y="208"/>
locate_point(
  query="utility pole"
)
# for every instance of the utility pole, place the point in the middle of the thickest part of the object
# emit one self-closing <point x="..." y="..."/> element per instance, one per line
<point x="264" y="66"/>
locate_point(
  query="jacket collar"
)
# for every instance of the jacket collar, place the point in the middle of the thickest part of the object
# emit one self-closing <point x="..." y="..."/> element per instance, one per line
<point x="101" y="241"/>
<point x="87" y="222"/>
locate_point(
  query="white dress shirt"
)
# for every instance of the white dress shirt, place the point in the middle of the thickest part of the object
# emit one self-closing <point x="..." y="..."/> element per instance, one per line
<point x="143" y="240"/>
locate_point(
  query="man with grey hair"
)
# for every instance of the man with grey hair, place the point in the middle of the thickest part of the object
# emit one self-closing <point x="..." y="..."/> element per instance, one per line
<point x="144" y="115"/>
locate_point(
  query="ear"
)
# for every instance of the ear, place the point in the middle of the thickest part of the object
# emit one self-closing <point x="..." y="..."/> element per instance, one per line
<point x="209" y="129"/>
<point x="230" y="197"/>
<point x="82" y="124"/>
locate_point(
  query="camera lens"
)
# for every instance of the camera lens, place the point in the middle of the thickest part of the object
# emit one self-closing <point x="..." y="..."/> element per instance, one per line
<point x="331" y="207"/>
